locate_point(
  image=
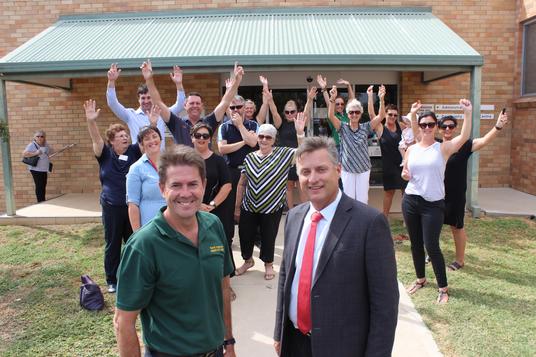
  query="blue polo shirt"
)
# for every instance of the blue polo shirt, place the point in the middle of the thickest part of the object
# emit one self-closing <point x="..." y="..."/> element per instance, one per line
<point x="180" y="127"/>
<point x="113" y="171"/>
<point x="230" y="133"/>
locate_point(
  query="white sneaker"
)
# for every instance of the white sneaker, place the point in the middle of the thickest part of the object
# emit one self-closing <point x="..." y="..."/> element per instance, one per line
<point x="112" y="288"/>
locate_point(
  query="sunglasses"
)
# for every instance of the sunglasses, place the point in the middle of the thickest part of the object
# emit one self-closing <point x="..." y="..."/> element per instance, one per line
<point x="392" y="115"/>
<point x="262" y="137"/>
<point x="450" y="126"/>
<point x="352" y="112"/>
<point x="340" y="103"/>
<point x="430" y="125"/>
<point x="202" y="136"/>
<point x="236" y="107"/>
<point x="287" y="112"/>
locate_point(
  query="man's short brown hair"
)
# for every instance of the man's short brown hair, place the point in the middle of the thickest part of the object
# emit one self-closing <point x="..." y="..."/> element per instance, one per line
<point x="314" y="143"/>
<point x="180" y="155"/>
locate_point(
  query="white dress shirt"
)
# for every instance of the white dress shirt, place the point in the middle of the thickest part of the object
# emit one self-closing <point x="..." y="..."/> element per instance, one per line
<point x="321" y="233"/>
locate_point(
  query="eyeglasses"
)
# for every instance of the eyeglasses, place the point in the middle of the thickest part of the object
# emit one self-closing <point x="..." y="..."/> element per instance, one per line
<point x="287" y="112"/>
<point x="202" y="136"/>
<point x="352" y="112"/>
<point x="430" y="125"/>
<point x="39" y="136"/>
<point x="262" y="137"/>
<point x="236" y="107"/>
<point x="392" y="115"/>
<point x="340" y="103"/>
<point x="450" y="126"/>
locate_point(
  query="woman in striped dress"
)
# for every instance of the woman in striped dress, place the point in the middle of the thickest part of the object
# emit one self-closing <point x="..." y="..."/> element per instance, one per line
<point x="261" y="195"/>
<point x="353" y="135"/>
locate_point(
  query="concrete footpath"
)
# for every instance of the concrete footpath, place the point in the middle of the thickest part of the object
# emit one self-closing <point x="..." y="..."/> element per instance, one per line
<point x="254" y="313"/>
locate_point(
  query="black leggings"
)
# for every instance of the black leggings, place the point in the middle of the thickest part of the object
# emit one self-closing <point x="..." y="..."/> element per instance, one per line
<point x="117" y="229"/>
<point x="424" y="221"/>
<point x="248" y="228"/>
<point x="40" y="181"/>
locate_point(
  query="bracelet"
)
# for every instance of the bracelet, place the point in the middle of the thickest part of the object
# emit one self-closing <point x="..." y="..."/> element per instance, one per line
<point x="230" y="341"/>
<point x="300" y="136"/>
<point x="498" y="127"/>
<point x="332" y="101"/>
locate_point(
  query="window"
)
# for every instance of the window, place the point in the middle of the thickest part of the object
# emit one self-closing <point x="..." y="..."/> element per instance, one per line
<point x="528" y="81"/>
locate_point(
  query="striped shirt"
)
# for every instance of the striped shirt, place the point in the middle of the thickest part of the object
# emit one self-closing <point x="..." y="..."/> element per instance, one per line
<point x="354" y="148"/>
<point x="267" y="180"/>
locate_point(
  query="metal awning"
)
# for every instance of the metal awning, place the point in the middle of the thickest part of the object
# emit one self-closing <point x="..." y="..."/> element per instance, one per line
<point x="211" y="40"/>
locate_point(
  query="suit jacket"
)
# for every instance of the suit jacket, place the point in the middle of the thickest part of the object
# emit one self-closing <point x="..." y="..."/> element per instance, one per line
<point x="354" y="293"/>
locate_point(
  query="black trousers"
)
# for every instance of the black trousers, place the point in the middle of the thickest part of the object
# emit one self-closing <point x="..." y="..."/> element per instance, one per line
<point x="299" y="345"/>
<point x="117" y="229"/>
<point x="249" y="225"/>
<point x="152" y="353"/>
<point x="424" y="220"/>
<point x="40" y="181"/>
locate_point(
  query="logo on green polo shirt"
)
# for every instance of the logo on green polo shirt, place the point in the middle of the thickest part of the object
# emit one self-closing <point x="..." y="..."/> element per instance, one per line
<point x="216" y="248"/>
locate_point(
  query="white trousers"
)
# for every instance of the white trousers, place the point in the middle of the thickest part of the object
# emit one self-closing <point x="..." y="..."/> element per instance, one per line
<point x="356" y="185"/>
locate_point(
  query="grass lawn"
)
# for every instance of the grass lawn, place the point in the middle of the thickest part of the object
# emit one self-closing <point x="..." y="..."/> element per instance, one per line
<point x="491" y="311"/>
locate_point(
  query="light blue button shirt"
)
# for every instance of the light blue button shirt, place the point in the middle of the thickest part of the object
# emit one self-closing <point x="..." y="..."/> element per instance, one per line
<point x="322" y="230"/>
<point x="143" y="189"/>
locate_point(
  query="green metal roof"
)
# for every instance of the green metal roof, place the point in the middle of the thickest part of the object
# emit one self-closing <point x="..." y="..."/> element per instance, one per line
<point x="254" y="37"/>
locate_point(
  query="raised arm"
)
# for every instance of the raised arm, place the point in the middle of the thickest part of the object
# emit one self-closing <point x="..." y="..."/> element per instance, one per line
<point x="323" y="84"/>
<point x="311" y="95"/>
<point x="377" y="120"/>
<point x="331" y="109"/>
<point x="147" y="71"/>
<point x="91" y="116"/>
<point x="273" y="110"/>
<point x="479" y="143"/>
<point x="370" y="103"/>
<point x="299" y="125"/>
<point x="220" y="109"/>
<point x="450" y="147"/>
<point x="176" y="77"/>
<point x="263" y="111"/>
<point x="351" y="94"/>
<point x="412" y="115"/>
<point x="111" y="96"/>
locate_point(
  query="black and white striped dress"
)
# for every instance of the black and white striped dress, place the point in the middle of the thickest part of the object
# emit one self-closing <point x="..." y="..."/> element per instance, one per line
<point x="354" y="148"/>
<point x="267" y="180"/>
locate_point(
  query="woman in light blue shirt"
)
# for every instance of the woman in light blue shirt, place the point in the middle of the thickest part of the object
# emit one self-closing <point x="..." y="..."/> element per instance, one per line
<point x="143" y="193"/>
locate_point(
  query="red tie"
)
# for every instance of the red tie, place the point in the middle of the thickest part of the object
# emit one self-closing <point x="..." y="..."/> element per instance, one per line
<point x="306" y="277"/>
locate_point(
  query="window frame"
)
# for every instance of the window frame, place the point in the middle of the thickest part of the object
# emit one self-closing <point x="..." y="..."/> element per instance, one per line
<point x="523" y="54"/>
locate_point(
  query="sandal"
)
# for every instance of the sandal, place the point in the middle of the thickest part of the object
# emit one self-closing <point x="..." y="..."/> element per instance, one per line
<point x="455" y="266"/>
<point x="416" y="286"/>
<point x="443" y="296"/>
<point x="248" y="264"/>
<point x="269" y="271"/>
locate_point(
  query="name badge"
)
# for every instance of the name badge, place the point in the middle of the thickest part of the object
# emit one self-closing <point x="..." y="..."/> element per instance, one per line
<point x="123" y="157"/>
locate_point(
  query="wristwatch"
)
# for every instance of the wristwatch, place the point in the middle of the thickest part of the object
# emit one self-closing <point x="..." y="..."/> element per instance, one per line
<point x="212" y="203"/>
<point x="230" y="341"/>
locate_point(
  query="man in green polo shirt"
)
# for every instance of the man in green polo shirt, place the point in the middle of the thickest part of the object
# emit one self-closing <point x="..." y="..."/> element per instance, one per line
<point x="175" y="270"/>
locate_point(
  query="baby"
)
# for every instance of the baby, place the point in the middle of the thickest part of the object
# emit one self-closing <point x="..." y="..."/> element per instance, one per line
<point x="407" y="137"/>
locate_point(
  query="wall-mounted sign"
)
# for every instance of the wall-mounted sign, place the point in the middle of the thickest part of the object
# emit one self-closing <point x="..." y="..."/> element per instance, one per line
<point x="442" y="107"/>
<point x="487" y="116"/>
<point x="455" y="115"/>
<point x="487" y="107"/>
<point x="427" y="107"/>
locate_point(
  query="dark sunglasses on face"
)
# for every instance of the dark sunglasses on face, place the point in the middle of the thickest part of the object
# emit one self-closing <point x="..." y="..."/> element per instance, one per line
<point x="351" y="112"/>
<point x="267" y="137"/>
<point x="430" y="125"/>
<point x="202" y="136"/>
<point x="287" y="112"/>
<point x="450" y="126"/>
<point x="341" y="103"/>
<point x="236" y="107"/>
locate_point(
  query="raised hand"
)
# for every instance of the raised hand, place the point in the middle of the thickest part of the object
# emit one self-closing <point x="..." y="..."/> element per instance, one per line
<point x="381" y="92"/>
<point x="415" y="107"/>
<point x="299" y="123"/>
<point x="264" y="82"/>
<point x="466" y="105"/>
<point x="91" y="112"/>
<point x="229" y="83"/>
<point x="237" y="120"/>
<point x="322" y="82"/>
<point x="154" y="114"/>
<point x="311" y="94"/>
<point x="147" y="69"/>
<point x="113" y="72"/>
<point x="370" y="90"/>
<point x="238" y="71"/>
<point x="502" y="120"/>
<point x="343" y="82"/>
<point x="333" y="93"/>
<point x="267" y="96"/>
<point x="176" y="75"/>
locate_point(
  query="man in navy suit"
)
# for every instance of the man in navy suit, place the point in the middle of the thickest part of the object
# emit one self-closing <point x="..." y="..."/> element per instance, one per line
<point x="338" y="292"/>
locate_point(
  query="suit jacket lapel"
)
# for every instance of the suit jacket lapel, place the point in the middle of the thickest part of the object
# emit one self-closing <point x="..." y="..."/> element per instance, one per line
<point x="294" y="233"/>
<point x="336" y="228"/>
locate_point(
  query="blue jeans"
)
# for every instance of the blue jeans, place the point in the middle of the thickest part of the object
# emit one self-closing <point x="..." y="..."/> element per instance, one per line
<point x="424" y="220"/>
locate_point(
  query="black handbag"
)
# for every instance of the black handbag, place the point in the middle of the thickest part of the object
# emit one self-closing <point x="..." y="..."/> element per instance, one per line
<point x="91" y="297"/>
<point x="32" y="160"/>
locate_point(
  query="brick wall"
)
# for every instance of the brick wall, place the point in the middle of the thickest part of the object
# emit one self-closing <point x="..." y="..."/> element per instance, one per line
<point x="524" y="126"/>
<point x="489" y="26"/>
